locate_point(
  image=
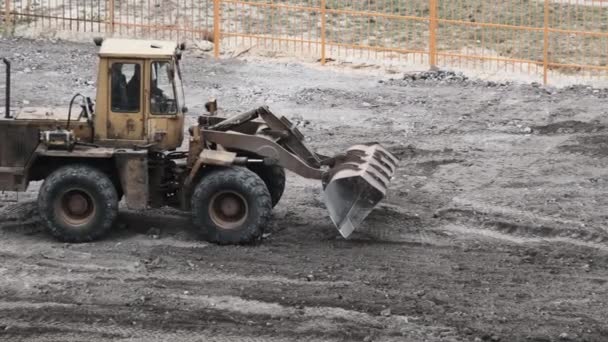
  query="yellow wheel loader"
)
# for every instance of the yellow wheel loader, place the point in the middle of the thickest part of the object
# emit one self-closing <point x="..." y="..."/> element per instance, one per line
<point x="126" y="145"/>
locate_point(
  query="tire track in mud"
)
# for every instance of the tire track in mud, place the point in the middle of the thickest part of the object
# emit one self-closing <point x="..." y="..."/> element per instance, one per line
<point x="191" y="316"/>
<point x="521" y="226"/>
<point x="163" y="312"/>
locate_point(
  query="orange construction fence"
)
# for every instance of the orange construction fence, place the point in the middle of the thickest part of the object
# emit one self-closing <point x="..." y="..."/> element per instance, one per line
<point x="540" y="38"/>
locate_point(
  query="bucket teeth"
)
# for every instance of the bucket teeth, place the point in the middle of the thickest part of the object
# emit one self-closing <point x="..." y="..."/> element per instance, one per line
<point x="357" y="184"/>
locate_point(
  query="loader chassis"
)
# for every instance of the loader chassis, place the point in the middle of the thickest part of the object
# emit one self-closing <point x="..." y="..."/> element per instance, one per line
<point x="127" y="145"/>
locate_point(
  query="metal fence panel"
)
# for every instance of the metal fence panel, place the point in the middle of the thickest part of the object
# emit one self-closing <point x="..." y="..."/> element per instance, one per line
<point x="546" y="39"/>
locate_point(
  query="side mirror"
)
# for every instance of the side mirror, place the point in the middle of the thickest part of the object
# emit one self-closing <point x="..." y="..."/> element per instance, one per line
<point x="184" y="109"/>
<point x="211" y="106"/>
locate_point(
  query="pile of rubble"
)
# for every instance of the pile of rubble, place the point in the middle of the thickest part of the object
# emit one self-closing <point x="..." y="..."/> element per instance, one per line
<point x="436" y="75"/>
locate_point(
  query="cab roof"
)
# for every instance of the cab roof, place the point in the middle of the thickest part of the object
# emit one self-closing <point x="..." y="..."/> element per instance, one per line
<point x="114" y="47"/>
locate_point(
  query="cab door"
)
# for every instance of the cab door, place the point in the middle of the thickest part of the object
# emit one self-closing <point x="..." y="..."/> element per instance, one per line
<point x="126" y="111"/>
<point x="165" y="117"/>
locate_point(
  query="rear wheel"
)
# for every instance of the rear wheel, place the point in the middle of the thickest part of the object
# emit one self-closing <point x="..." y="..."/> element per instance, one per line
<point x="231" y="206"/>
<point x="78" y="203"/>
<point x="274" y="178"/>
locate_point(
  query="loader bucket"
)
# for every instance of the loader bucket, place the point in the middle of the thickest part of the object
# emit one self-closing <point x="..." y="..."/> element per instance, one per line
<point x="356" y="184"/>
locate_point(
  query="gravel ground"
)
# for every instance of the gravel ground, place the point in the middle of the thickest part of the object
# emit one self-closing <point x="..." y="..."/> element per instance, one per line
<point x="494" y="228"/>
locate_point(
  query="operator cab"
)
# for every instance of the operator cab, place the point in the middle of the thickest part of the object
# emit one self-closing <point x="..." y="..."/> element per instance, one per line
<point x="140" y="98"/>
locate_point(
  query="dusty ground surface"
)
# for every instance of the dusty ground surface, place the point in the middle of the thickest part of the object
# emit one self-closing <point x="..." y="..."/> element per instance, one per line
<point x="494" y="228"/>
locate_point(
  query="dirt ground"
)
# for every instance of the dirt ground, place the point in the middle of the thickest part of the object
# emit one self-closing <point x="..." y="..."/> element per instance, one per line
<point x="494" y="228"/>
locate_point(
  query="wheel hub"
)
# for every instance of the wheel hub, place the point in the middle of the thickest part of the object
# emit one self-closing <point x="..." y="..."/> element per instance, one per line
<point x="228" y="209"/>
<point x="77" y="204"/>
<point x="75" y="207"/>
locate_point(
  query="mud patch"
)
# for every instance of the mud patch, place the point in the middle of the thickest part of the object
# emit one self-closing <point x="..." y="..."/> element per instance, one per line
<point x="569" y="127"/>
<point x="389" y="223"/>
<point x="526" y="227"/>
<point x="408" y="151"/>
<point x="596" y="146"/>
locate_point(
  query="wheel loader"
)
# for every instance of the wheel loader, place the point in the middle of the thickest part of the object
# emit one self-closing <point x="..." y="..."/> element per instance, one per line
<point x="127" y="146"/>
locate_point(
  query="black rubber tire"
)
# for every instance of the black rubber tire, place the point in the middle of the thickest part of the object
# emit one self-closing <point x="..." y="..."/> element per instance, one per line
<point x="243" y="182"/>
<point x="85" y="179"/>
<point x="274" y="178"/>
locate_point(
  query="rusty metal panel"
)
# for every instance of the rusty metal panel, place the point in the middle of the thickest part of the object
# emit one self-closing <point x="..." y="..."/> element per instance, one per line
<point x="77" y="152"/>
<point x="133" y="172"/>
<point x="12" y="179"/>
<point x="18" y="143"/>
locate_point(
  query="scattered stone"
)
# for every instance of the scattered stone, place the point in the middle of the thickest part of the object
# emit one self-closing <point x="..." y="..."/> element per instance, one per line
<point x="155" y="262"/>
<point x="297" y="118"/>
<point x="386" y="312"/>
<point x="436" y="75"/>
<point x="310" y="277"/>
<point x="203" y="45"/>
<point x="564" y="336"/>
<point x="153" y="233"/>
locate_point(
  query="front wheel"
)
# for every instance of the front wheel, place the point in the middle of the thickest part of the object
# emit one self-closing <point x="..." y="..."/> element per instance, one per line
<point x="78" y="203"/>
<point x="231" y="206"/>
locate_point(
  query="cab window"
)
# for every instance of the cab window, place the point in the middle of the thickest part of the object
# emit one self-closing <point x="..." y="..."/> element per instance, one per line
<point x="126" y="87"/>
<point x="162" y="95"/>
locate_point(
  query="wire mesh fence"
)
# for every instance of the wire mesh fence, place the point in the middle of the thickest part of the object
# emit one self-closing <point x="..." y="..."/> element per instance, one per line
<point x="542" y="38"/>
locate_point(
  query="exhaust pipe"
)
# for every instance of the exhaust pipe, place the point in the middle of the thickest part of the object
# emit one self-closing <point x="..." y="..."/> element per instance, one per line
<point x="7" y="108"/>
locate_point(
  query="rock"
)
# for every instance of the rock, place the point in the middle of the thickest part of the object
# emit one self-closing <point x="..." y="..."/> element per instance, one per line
<point x="420" y="293"/>
<point x="310" y="277"/>
<point x="386" y="312"/>
<point x="445" y="76"/>
<point x="203" y="45"/>
<point x="564" y="337"/>
<point x="153" y="233"/>
<point x="156" y="261"/>
<point x="457" y="267"/>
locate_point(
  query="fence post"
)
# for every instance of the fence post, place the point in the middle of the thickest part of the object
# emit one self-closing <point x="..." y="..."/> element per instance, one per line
<point x="323" y="22"/>
<point x="216" y="28"/>
<point x="433" y="33"/>
<point x="111" y="15"/>
<point x="546" y="42"/>
<point x="7" y="16"/>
